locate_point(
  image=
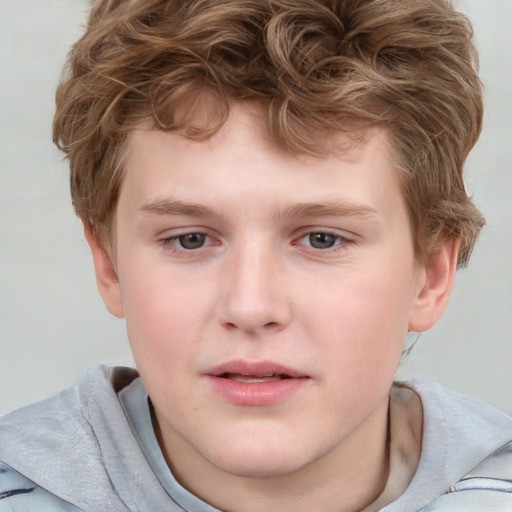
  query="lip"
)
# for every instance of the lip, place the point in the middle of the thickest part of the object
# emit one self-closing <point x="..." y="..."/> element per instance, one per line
<point x="259" y="392"/>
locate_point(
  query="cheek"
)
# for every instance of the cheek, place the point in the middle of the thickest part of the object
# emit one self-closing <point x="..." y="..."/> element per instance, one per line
<point x="364" y="315"/>
<point x="362" y="333"/>
<point x="164" y="315"/>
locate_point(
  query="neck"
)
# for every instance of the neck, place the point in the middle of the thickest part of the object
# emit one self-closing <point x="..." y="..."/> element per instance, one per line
<point x="349" y="478"/>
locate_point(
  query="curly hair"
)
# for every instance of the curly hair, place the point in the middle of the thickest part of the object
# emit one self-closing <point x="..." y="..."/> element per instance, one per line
<point x="316" y="66"/>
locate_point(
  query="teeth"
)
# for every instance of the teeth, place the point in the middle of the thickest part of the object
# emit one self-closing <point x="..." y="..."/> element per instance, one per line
<point x="253" y="379"/>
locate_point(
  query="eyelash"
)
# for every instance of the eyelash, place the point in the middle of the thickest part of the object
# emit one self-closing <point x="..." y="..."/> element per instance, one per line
<point x="340" y="241"/>
<point x="171" y="243"/>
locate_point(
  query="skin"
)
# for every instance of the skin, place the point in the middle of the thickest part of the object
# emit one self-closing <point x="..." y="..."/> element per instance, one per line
<point x="261" y="289"/>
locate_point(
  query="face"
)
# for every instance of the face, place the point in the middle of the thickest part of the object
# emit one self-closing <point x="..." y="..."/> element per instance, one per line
<point x="267" y="296"/>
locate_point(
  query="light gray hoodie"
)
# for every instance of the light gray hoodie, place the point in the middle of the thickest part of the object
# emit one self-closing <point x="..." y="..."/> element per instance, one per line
<point x="77" y="451"/>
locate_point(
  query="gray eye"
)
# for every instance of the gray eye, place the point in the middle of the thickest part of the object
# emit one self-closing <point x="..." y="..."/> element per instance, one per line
<point x="322" y="240"/>
<point x="192" y="240"/>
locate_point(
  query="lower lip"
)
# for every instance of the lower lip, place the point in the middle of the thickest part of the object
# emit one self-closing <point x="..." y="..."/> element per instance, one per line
<point x="256" y="394"/>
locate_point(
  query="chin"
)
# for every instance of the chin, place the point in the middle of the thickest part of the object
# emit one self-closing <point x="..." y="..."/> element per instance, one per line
<point x="263" y="467"/>
<point x="262" y="458"/>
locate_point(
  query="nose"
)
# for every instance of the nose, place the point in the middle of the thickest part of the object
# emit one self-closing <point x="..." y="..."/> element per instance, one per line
<point x="254" y="298"/>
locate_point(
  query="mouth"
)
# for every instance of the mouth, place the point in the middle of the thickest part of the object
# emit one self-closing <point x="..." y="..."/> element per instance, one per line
<point x="254" y="371"/>
<point x="249" y="383"/>
<point x="254" y="379"/>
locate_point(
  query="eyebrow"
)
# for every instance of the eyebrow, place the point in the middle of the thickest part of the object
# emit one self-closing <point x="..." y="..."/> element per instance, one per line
<point x="170" y="207"/>
<point x="327" y="209"/>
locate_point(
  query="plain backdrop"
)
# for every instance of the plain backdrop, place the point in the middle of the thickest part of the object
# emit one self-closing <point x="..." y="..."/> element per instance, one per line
<point x="53" y="323"/>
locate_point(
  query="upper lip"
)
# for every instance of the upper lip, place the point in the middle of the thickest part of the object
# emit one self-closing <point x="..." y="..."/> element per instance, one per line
<point x="254" y="368"/>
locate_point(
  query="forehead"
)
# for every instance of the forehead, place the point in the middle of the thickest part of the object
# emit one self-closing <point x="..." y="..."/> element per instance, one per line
<point x="242" y="160"/>
<point x="250" y="120"/>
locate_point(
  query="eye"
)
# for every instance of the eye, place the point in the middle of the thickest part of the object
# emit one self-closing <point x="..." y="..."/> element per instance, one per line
<point x="187" y="242"/>
<point x="322" y="240"/>
<point x="326" y="243"/>
<point x="191" y="241"/>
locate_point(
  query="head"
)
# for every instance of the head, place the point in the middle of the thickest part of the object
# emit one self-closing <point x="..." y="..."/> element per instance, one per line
<point x="316" y="67"/>
<point x="273" y="194"/>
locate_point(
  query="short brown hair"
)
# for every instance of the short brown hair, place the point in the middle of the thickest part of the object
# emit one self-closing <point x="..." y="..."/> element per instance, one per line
<point x="317" y="66"/>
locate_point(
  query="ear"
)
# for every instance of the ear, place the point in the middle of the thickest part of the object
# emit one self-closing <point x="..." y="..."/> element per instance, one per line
<point x="435" y="287"/>
<point x="106" y="275"/>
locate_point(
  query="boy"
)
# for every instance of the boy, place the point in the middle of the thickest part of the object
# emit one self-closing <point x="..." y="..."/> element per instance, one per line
<point x="272" y="193"/>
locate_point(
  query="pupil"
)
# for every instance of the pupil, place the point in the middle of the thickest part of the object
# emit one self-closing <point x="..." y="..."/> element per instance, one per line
<point x="322" y="240"/>
<point x="192" y="240"/>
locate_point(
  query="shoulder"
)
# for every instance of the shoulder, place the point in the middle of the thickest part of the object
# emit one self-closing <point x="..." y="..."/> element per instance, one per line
<point x="56" y="445"/>
<point x="454" y="421"/>
<point x="466" y="454"/>
<point x="65" y="421"/>
<point x="39" y="429"/>
<point x="486" y="487"/>
<point x="19" y="494"/>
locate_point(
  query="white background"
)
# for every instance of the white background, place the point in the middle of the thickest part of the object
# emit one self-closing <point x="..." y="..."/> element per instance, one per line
<point x="53" y="324"/>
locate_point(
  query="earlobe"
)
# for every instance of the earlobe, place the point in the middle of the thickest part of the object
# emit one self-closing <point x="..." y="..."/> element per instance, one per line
<point x="435" y="287"/>
<point x="106" y="275"/>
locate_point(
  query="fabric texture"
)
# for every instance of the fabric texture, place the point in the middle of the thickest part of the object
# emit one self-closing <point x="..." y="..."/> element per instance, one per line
<point x="79" y="451"/>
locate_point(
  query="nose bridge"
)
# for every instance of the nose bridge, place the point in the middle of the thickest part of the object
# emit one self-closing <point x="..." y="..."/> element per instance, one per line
<point x="252" y="298"/>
